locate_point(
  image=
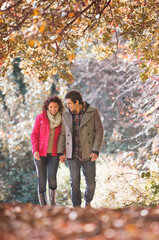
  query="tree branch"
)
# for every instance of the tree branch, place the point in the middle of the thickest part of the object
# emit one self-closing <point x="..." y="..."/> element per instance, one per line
<point x="105" y="7"/>
<point x="116" y="34"/>
<point x="137" y="190"/>
<point x="78" y="15"/>
<point x="47" y="7"/>
<point x="11" y="6"/>
<point x="100" y="13"/>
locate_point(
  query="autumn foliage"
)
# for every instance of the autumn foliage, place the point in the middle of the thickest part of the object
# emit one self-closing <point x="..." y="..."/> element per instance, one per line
<point x="47" y="34"/>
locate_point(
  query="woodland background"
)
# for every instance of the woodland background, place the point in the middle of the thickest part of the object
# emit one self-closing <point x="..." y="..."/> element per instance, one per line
<point x="108" y="50"/>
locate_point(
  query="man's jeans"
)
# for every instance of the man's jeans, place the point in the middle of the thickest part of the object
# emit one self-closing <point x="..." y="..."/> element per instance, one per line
<point x="89" y="172"/>
<point x="47" y="168"/>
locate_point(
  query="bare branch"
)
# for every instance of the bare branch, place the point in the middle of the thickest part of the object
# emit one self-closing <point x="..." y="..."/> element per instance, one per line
<point x="11" y="6"/>
<point x="137" y="190"/>
<point x="47" y="7"/>
<point x="116" y="34"/>
<point x="106" y="5"/>
<point x="77" y="16"/>
<point x="100" y="14"/>
<point x="14" y="28"/>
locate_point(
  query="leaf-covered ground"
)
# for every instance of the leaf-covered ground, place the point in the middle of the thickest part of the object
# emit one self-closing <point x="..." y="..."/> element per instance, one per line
<point x="32" y="222"/>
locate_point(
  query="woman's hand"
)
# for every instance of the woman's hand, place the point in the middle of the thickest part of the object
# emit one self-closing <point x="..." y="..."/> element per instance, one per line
<point x="36" y="156"/>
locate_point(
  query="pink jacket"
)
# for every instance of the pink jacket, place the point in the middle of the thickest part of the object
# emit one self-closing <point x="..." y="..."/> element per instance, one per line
<point x="40" y="135"/>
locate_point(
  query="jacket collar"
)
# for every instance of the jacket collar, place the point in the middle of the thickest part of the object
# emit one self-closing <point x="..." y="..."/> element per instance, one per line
<point x="68" y="119"/>
<point x="89" y="112"/>
<point x="44" y="114"/>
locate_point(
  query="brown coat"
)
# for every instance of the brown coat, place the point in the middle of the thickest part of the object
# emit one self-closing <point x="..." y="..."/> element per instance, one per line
<point x="91" y="133"/>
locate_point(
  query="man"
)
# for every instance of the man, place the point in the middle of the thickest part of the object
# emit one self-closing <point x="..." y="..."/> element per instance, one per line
<point x="81" y="138"/>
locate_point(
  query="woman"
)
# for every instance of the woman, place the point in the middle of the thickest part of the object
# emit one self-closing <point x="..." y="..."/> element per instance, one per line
<point x="44" y="139"/>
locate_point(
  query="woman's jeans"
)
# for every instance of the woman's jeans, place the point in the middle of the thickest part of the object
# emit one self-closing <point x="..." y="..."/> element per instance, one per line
<point x="47" y="169"/>
<point x="89" y="172"/>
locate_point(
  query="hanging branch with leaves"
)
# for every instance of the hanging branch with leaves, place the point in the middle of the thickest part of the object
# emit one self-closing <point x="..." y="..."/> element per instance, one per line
<point x="54" y="29"/>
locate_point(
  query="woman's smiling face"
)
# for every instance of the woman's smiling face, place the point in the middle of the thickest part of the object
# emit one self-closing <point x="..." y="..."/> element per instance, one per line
<point x="53" y="107"/>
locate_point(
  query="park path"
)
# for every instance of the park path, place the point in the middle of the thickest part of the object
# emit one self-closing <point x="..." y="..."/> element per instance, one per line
<point x="32" y="222"/>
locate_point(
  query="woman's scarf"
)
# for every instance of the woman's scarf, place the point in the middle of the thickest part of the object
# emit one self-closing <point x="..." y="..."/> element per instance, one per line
<point x="54" y="120"/>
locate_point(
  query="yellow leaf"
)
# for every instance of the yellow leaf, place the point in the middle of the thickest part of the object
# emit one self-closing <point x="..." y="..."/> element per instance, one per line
<point x="59" y="30"/>
<point x="36" y="12"/>
<point x="71" y="57"/>
<point x="71" y="14"/>
<point x="11" y="37"/>
<point x="31" y="43"/>
<point x="74" y="28"/>
<point x="59" y="38"/>
<point x="42" y="28"/>
<point x="38" y="44"/>
<point x="78" y="21"/>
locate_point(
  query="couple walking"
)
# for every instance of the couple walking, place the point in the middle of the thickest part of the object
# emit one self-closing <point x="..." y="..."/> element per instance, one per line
<point x="75" y="135"/>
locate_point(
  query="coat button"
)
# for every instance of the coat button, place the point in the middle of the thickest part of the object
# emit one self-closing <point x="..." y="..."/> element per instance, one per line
<point x="88" y="133"/>
<point x="89" y="142"/>
<point x="67" y="143"/>
<point x="68" y="135"/>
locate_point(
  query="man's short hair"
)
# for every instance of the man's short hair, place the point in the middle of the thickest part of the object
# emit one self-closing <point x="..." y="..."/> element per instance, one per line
<point x="74" y="95"/>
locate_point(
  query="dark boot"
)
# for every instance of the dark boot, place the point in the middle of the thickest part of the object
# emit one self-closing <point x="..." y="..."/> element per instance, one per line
<point x="87" y="204"/>
<point x="42" y="199"/>
<point x="52" y="196"/>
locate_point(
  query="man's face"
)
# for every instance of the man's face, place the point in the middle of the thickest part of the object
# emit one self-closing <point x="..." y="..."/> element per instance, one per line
<point x="71" y="105"/>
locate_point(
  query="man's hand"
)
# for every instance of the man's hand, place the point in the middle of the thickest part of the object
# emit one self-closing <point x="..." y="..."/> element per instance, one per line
<point x="93" y="156"/>
<point x="62" y="158"/>
<point x="36" y="156"/>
